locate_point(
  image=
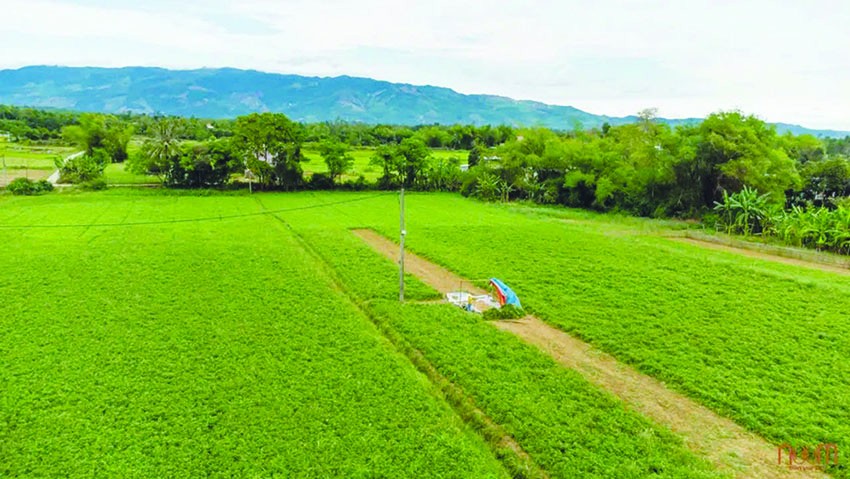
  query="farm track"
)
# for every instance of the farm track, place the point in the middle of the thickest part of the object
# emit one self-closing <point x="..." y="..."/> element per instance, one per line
<point x="761" y="255"/>
<point x="514" y="458"/>
<point x="724" y="443"/>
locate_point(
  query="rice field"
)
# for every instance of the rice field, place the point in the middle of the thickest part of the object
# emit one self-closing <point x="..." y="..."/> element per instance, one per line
<point x="26" y="161"/>
<point x="154" y="333"/>
<point x="313" y="162"/>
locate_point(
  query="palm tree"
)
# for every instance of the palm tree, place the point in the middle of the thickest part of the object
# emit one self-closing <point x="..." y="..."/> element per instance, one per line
<point x="164" y="145"/>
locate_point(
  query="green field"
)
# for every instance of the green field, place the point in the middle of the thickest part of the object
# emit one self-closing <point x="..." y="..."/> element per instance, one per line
<point x="116" y="174"/>
<point x="28" y="161"/>
<point x="18" y="156"/>
<point x="260" y="368"/>
<point x="266" y="339"/>
<point x="313" y="162"/>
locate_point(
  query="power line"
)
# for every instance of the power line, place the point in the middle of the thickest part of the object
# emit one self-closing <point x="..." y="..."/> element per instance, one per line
<point x="194" y="220"/>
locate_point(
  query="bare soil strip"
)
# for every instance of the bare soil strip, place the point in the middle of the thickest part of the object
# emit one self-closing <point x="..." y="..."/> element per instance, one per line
<point x="506" y="449"/>
<point x="723" y="442"/>
<point x="761" y="255"/>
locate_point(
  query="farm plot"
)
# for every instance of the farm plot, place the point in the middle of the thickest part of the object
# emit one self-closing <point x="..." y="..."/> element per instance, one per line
<point x="760" y="342"/>
<point x="200" y="348"/>
<point x="719" y="440"/>
<point x="117" y="174"/>
<point x="568" y="427"/>
<point x="24" y="161"/>
<point x="313" y="163"/>
<point x="363" y="156"/>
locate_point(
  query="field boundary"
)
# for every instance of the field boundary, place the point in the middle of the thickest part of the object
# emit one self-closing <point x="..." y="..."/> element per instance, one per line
<point x="727" y="445"/>
<point x="778" y="254"/>
<point x="503" y="446"/>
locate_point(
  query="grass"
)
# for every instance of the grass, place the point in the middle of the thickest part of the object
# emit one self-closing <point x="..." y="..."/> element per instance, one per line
<point x="224" y="320"/>
<point x="769" y="245"/>
<point x="362" y="157"/>
<point x="18" y="156"/>
<point x="185" y="350"/>
<point x="116" y="174"/>
<point x="462" y="155"/>
<point x="28" y="161"/>
<point x="568" y="426"/>
<point x="760" y="342"/>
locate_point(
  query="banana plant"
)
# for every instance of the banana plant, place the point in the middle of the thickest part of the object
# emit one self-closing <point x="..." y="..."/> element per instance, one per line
<point x="743" y="212"/>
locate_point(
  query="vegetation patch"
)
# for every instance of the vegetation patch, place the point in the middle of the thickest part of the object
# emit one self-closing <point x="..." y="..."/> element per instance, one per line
<point x="173" y="349"/>
<point x="25" y="186"/>
<point x="507" y="311"/>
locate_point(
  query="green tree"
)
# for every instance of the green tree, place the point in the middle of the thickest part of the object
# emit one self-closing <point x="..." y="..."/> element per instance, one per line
<point x="434" y="136"/>
<point x="825" y="180"/>
<point x="336" y="158"/>
<point x="203" y="165"/>
<point x="386" y="157"/>
<point x="270" y="146"/>
<point x="475" y="154"/>
<point x="414" y="156"/>
<point x="803" y="148"/>
<point x="104" y="132"/>
<point x="729" y="151"/>
<point x="160" y="150"/>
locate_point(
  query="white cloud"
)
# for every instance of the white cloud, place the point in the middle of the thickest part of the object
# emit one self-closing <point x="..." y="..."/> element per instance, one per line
<point x="783" y="60"/>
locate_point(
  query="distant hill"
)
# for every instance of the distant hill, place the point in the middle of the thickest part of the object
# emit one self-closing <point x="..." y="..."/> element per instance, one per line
<point x="227" y="93"/>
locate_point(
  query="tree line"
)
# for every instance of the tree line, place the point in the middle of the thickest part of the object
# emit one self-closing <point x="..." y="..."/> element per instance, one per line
<point x="30" y="124"/>
<point x="650" y="169"/>
<point x="646" y="168"/>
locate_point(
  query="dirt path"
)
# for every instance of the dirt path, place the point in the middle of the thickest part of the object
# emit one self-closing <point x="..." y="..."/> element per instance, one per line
<point x="436" y="276"/>
<point x="726" y="444"/>
<point x="761" y="255"/>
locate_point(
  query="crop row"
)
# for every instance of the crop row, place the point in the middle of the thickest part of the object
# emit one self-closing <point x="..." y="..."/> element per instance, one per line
<point x="211" y="348"/>
<point x="567" y="426"/>
<point x="760" y="342"/>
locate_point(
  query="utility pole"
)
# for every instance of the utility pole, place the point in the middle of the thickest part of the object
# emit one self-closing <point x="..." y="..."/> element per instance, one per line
<point x="250" y="176"/>
<point x="403" y="233"/>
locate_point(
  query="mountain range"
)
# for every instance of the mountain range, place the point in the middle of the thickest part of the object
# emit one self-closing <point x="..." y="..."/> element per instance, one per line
<point x="228" y="92"/>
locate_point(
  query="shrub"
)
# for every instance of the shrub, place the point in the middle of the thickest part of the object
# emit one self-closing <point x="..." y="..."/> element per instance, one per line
<point x="95" y="184"/>
<point x="359" y="184"/>
<point x="25" y="186"/>
<point x="320" y="181"/>
<point x="488" y="187"/>
<point x="84" y="168"/>
<point x="44" y="186"/>
<point x="507" y="311"/>
<point x="815" y="227"/>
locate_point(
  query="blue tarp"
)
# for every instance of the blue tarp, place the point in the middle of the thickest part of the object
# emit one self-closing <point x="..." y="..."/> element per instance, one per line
<point x="506" y="294"/>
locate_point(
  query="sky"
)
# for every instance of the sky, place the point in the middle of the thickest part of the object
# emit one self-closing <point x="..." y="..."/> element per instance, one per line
<point x="785" y="61"/>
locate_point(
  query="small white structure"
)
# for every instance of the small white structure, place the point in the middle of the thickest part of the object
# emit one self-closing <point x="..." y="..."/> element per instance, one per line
<point x="472" y="303"/>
